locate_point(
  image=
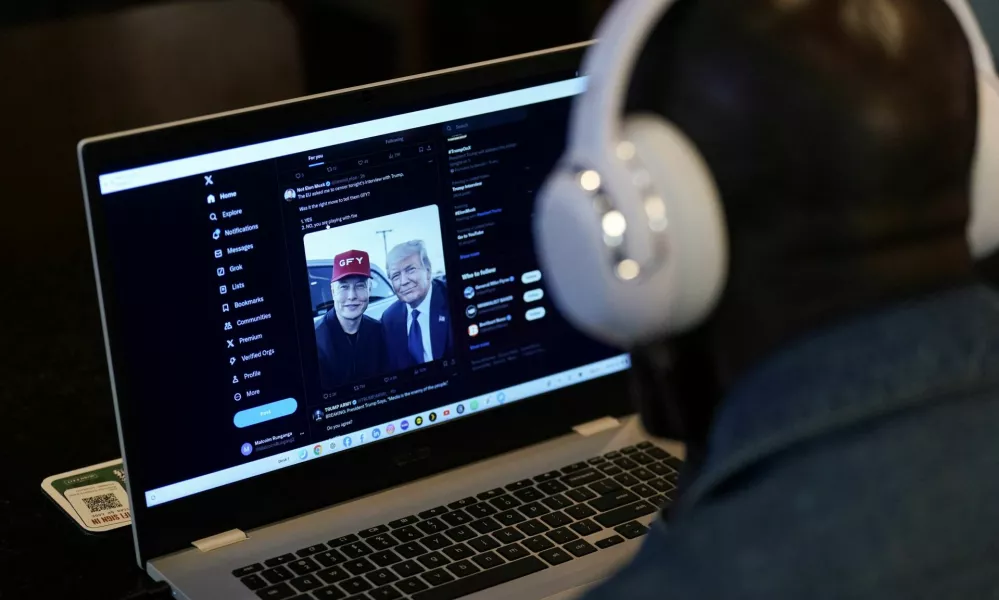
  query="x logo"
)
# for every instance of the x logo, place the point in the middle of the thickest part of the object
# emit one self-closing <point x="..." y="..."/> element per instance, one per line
<point x="208" y="180"/>
<point x="229" y="344"/>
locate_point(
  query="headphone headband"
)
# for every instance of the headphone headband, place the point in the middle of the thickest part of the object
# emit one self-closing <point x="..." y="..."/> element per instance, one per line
<point x="973" y="31"/>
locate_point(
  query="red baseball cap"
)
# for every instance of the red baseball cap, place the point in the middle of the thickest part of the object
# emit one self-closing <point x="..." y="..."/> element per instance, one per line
<point x="351" y="262"/>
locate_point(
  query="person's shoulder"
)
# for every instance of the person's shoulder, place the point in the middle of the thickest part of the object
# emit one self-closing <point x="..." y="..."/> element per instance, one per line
<point x="393" y="311"/>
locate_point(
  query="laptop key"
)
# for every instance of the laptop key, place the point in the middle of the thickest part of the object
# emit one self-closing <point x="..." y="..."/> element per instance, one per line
<point x="607" y="542"/>
<point x="359" y="566"/>
<point x="513" y="552"/>
<point x="481" y="510"/>
<point x="411" y="585"/>
<point x="431" y="526"/>
<point x="582" y="477"/>
<point x="484" y="543"/>
<point x="552" y="487"/>
<point x="644" y="491"/>
<point x="585" y="527"/>
<point x="457" y="517"/>
<point x="382" y="577"/>
<point x="493" y="493"/>
<point x="248" y="570"/>
<point x="561" y="535"/>
<point x="382" y="541"/>
<point x="313" y="549"/>
<point x="333" y="575"/>
<point x="433" y="560"/>
<point x="626" y="479"/>
<point x="385" y="558"/>
<point x="408" y="534"/>
<point x="538" y="543"/>
<point x="436" y="541"/>
<point x="304" y="566"/>
<point x="519" y="485"/>
<point x="612" y="455"/>
<point x="461" y="533"/>
<point x="505" y="502"/>
<point x="626" y="463"/>
<point x="548" y="476"/>
<point x="408" y="568"/>
<point x="610" y="469"/>
<point x="343" y="539"/>
<point x="385" y="593"/>
<point x="534" y="510"/>
<point x="632" y="530"/>
<point x="659" y="469"/>
<point x="556" y="502"/>
<point x="508" y="535"/>
<point x="628" y="450"/>
<point x="277" y="574"/>
<point x="411" y="549"/>
<point x="403" y="522"/>
<point x="597" y="460"/>
<point x="607" y="486"/>
<point x="614" y="500"/>
<point x="484" y="580"/>
<point x="280" y="560"/>
<point x="529" y="494"/>
<point x="306" y="583"/>
<point x="374" y="531"/>
<point x="642" y="458"/>
<point x="277" y="592"/>
<point x="437" y="577"/>
<point x="674" y="462"/>
<point x="659" y="500"/>
<point x="556" y="519"/>
<point x="355" y="549"/>
<point x="328" y="558"/>
<point x="254" y="582"/>
<point x="355" y="585"/>
<point x="661" y="485"/>
<point x="645" y="445"/>
<point x="486" y="525"/>
<point x="488" y="560"/>
<point x="579" y="548"/>
<point x="360" y="597"/>
<point x="625" y="513"/>
<point x="643" y="473"/>
<point x="581" y="494"/>
<point x="555" y="556"/>
<point x="433" y="512"/>
<point x="580" y="512"/>
<point x="462" y="568"/>
<point x="331" y="592"/>
<point x="509" y="517"/>
<point x="573" y="468"/>
<point x="672" y="478"/>
<point x="462" y="503"/>
<point x="458" y="552"/>
<point x="533" y="527"/>
<point x="657" y="453"/>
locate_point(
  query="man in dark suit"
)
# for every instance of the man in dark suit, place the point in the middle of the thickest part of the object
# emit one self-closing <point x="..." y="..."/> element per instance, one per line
<point x="417" y="327"/>
<point x="350" y="344"/>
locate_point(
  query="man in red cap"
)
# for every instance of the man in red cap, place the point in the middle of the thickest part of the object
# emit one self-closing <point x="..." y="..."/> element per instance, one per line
<point x="351" y="346"/>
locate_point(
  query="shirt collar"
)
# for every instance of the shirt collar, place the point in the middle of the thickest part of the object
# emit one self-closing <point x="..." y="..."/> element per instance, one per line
<point x="423" y="307"/>
<point x="914" y="353"/>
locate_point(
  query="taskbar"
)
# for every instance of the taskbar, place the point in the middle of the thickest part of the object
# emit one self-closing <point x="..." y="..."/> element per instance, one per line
<point x="392" y="428"/>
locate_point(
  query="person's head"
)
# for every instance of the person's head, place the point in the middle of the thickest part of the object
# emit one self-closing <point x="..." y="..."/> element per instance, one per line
<point x="351" y="284"/>
<point x="410" y="272"/>
<point x="840" y="135"/>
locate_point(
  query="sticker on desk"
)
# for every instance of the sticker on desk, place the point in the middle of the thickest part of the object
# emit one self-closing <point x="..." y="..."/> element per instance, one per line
<point x="94" y="496"/>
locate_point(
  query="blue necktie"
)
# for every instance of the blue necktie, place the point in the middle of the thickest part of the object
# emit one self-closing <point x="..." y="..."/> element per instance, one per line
<point x="416" y="339"/>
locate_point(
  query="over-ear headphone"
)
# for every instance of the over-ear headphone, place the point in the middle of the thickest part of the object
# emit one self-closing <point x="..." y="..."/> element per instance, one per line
<point x="630" y="229"/>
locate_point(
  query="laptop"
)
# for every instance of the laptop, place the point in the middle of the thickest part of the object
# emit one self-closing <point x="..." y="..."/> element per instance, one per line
<point x="335" y="368"/>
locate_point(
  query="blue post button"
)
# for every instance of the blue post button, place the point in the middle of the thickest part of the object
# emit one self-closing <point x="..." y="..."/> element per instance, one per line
<point x="267" y="412"/>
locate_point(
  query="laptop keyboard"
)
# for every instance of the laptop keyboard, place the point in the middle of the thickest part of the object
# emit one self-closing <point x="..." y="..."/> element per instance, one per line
<point x="479" y="542"/>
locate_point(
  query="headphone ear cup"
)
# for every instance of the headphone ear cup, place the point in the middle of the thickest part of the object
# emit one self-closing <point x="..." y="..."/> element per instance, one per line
<point x="696" y="261"/>
<point x="983" y="231"/>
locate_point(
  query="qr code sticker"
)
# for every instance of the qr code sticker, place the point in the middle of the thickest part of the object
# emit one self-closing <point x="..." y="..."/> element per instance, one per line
<point x="102" y="502"/>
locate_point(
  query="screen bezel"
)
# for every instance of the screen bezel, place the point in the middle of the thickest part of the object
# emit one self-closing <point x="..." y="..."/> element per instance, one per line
<point x="173" y="526"/>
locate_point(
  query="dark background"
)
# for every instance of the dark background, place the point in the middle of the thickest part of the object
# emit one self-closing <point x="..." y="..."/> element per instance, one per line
<point x="76" y="68"/>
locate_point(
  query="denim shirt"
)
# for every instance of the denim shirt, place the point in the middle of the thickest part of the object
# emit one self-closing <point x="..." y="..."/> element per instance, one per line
<point x="861" y="462"/>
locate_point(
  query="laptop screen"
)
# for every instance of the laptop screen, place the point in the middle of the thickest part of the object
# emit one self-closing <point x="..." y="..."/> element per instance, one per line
<point x="294" y="299"/>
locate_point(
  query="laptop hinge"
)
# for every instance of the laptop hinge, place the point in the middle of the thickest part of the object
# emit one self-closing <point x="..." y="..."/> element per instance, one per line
<point x="597" y="426"/>
<point x="226" y="538"/>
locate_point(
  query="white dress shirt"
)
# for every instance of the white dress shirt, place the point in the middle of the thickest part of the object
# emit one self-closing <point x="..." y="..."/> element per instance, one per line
<point x="424" y="319"/>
